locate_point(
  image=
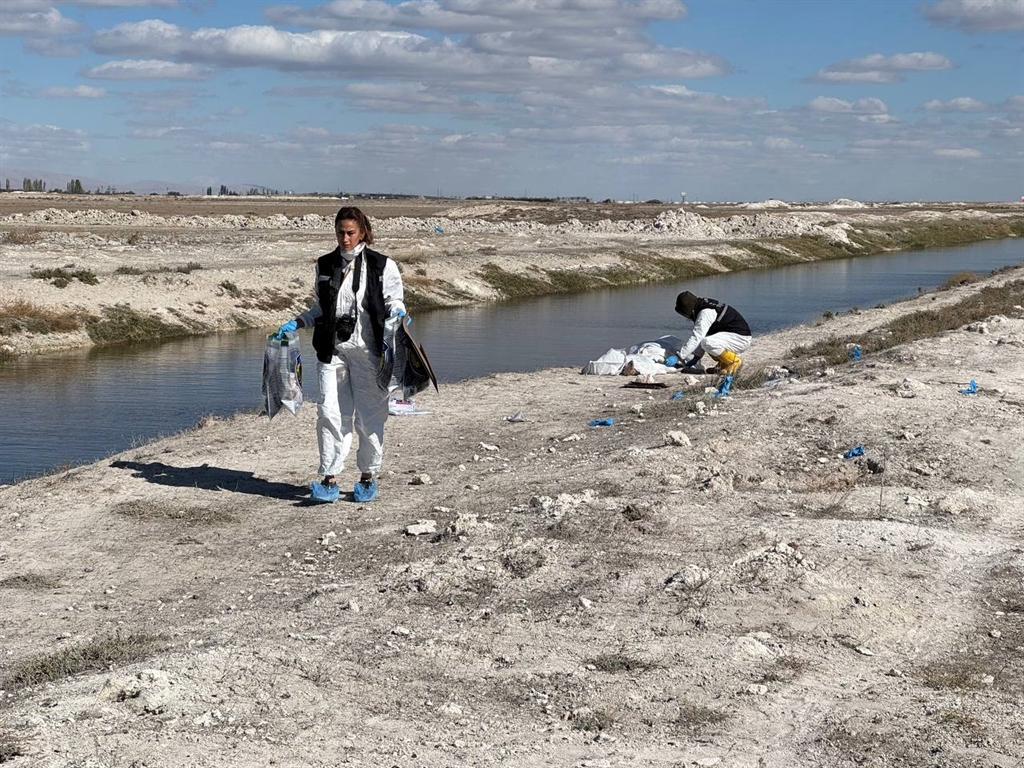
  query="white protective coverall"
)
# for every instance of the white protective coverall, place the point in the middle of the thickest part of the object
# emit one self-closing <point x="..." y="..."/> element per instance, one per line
<point x="716" y="343"/>
<point x="349" y="395"/>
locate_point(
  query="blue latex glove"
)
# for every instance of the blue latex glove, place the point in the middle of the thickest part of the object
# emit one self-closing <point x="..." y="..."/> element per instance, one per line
<point x="290" y="327"/>
<point x="671" y="361"/>
<point x="398" y="313"/>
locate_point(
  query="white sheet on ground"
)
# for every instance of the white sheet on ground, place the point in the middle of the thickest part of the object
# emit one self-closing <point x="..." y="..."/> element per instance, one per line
<point x="647" y="357"/>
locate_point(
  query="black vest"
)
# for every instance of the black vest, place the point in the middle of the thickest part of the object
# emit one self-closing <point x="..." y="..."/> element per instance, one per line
<point x="332" y="266"/>
<point x="728" y="320"/>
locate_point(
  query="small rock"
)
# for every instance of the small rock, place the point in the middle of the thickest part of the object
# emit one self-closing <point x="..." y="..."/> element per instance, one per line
<point x="987" y="680"/>
<point x="353" y="606"/>
<point x="489" y="447"/>
<point x="756" y="689"/>
<point x="401" y="632"/>
<point x="706" y="762"/>
<point x="677" y="437"/>
<point x="421" y="528"/>
<point x="423" y="479"/>
<point x="586" y="604"/>
<point x="995" y="633"/>
<point x="327" y="538"/>
<point x="864" y="651"/>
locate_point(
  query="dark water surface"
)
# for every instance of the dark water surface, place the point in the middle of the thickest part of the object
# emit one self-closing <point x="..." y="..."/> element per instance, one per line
<point x="77" y="407"/>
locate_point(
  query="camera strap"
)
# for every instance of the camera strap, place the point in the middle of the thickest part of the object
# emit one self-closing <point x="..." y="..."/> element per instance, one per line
<point x="339" y="277"/>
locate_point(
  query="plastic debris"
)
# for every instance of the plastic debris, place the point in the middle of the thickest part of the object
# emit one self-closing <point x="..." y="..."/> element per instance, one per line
<point x="723" y="388"/>
<point x="439" y="229"/>
<point x="971" y="388"/>
<point x="676" y="395"/>
<point x="602" y="422"/>
<point x="515" y="417"/>
<point x="858" y="451"/>
<point x="855" y="352"/>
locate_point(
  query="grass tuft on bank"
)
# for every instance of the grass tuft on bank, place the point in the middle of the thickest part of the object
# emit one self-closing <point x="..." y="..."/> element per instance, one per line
<point x="121" y="323"/>
<point x="991" y="300"/>
<point x="94" y="656"/>
<point x="25" y="317"/>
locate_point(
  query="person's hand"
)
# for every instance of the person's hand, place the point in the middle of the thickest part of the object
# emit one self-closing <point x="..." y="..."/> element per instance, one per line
<point x="671" y="361"/>
<point x="290" y="327"/>
<point x="692" y="361"/>
<point x="398" y="313"/>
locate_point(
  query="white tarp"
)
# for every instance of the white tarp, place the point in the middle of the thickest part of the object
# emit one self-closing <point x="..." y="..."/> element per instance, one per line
<point x="647" y="357"/>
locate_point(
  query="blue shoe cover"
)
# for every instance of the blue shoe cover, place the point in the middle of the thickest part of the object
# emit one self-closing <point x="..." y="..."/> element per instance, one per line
<point x="723" y="388"/>
<point x="364" y="491"/>
<point x="321" y="492"/>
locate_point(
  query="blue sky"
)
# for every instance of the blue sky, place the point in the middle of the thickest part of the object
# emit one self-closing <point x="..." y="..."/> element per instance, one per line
<point x="628" y="99"/>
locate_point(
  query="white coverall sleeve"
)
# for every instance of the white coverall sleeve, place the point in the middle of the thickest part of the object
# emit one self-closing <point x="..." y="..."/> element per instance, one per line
<point x="394" y="291"/>
<point x="311" y="314"/>
<point x="705" y="319"/>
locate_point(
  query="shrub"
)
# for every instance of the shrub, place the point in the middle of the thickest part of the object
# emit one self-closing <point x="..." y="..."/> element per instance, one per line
<point x="93" y="656"/>
<point x="24" y="317"/>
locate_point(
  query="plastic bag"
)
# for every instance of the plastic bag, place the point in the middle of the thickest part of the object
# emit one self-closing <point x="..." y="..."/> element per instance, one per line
<point x="282" y="374"/>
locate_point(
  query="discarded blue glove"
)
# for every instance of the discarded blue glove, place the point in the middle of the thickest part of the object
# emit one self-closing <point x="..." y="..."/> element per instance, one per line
<point x="855" y="352"/>
<point x="290" y="327"/>
<point x="858" y="451"/>
<point x="399" y="313"/>
<point x="676" y="395"/>
<point x="723" y="388"/>
<point x="971" y="389"/>
<point x="602" y="422"/>
<point x="671" y="361"/>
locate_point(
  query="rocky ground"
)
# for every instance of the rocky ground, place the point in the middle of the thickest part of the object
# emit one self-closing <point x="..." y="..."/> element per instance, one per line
<point x="707" y="581"/>
<point x="181" y="266"/>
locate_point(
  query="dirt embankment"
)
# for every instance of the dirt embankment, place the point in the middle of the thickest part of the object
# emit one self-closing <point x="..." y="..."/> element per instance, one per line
<point x="708" y="581"/>
<point x="74" y="275"/>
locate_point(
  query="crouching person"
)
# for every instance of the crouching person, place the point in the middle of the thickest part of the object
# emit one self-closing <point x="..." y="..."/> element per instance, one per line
<point x="718" y="329"/>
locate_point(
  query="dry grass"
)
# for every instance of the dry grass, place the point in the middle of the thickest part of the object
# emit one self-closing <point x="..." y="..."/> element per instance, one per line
<point x="24" y="317"/>
<point x="30" y="581"/>
<point x="991" y="300"/>
<point x="155" y="510"/>
<point x="619" y="662"/>
<point x="695" y="718"/>
<point x="23" y="237"/>
<point x="127" y="269"/>
<point x="121" y="323"/>
<point x="62" y="277"/>
<point x="10" y="747"/>
<point x="93" y="656"/>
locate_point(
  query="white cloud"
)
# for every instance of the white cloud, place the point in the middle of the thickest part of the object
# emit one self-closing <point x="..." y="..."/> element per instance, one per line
<point x="20" y="142"/>
<point x="870" y="106"/>
<point x="34" y="19"/>
<point x="963" y="154"/>
<point x="146" y="69"/>
<point x="381" y="54"/>
<point x="780" y="144"/>
<point x="79" y="91"/>
<point x="477" y="16"/>
<point x="977" y="15"/>
<point x="121" y="3"/>
<point x="959" y="104"/>
<point x="877" y="68"/>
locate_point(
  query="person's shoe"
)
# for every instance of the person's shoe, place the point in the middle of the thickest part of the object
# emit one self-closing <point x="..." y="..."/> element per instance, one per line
<point x="324" y="491"/>
<point x="729" y="363"/>
<point x="365" y="490"/>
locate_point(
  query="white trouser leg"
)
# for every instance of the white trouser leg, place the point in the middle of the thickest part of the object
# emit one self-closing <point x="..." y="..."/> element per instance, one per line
<point x="334" y="419"/>
<point x="370" y="406"/>
<point x="717" y="343"/>
<point x="350" y="397"/>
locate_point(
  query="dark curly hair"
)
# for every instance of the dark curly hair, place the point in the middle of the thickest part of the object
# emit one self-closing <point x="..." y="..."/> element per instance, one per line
<point x="351" y="213"/>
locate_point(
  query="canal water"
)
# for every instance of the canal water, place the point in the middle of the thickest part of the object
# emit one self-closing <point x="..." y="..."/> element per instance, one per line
<point x="76" y="407"/>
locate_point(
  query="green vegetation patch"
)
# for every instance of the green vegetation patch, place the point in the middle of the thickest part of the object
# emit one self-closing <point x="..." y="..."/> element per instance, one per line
<point x="94" y="656"/>
<point x="512" y="285"/>
<point x="24" y="317"/>
<point x="128" y="269"/>
<point x="269" y="299"/>
<point x="121" y="323"/>
<point x="991" y="300"/>
<point x="62" y="276"/>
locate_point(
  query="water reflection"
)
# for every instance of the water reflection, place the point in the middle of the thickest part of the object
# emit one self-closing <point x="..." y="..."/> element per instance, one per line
<point x="80" y="406"/>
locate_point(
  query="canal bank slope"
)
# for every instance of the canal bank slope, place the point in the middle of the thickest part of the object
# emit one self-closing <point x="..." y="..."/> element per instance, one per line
<point x="74" y="275"/>
<point x="706" y="581"/>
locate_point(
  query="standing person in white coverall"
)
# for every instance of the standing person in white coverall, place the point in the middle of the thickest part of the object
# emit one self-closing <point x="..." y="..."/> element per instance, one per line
<point x="718" y="329"/>
<point x="358" y="290"/>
